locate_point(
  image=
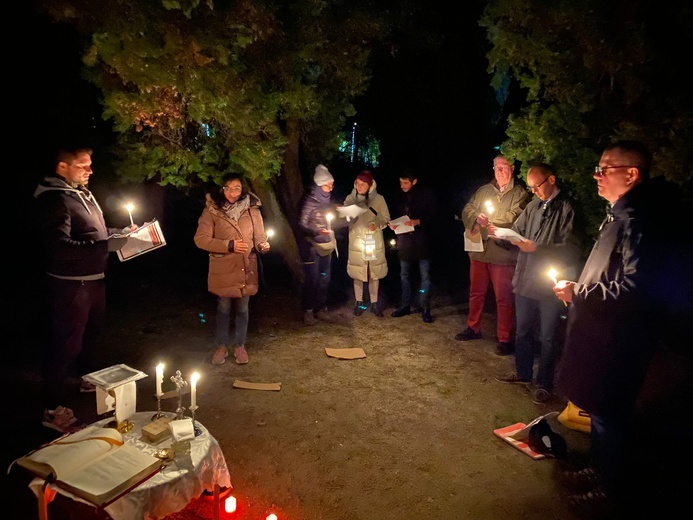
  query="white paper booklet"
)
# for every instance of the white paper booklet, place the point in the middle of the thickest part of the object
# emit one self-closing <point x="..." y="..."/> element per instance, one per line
<point x="508" y="234"/>
<point x="147" y="238"/>
<point x="111" y="377"/>
<point x="401" y="226"/>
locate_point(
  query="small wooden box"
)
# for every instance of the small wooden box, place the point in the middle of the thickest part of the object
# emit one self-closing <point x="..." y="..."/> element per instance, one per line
<point x="157" y="430"/>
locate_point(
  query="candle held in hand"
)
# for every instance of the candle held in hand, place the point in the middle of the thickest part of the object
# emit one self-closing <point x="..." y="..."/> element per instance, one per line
<point x="159" y="379"/>
<point x="270" y="233"/>
<point x="193" y="390"/>
<point x="329" y="218"/>
<point x="129" y="206"/>
<point x="552" y="275"/>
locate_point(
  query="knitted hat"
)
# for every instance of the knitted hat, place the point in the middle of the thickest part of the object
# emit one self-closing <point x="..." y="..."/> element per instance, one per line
<point x="322" y="175"/>
<point x="366" y="176"/>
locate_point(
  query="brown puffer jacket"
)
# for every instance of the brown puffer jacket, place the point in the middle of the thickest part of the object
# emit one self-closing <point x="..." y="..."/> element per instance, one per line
<point x="232" y="275"/>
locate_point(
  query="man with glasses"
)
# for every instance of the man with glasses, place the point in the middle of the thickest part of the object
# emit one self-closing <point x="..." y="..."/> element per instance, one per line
<point x="497" y="203"/>
<point x="616" y="315"/>
<point x="550" y="242"/>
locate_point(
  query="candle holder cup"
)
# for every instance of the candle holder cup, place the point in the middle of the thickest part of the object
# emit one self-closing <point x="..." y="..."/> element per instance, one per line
<point x="192" y="415"/>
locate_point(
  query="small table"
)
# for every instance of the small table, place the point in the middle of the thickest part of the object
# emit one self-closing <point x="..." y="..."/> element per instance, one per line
<point x="202" y="468"/>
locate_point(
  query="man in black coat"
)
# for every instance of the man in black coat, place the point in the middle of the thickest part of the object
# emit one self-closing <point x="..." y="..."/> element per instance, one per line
<point x="413" y="247"/>
<point x="616" y="314"/>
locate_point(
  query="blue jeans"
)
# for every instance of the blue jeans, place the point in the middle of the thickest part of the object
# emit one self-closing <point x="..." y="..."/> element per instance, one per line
<point x="318" y="273"/>
<point x="405" y="274"/>
<point x="544" y="316"/>
<point x="224" y="306"/>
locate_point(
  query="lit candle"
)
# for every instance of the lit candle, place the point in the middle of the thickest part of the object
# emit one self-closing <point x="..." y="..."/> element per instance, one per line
<point x="193" y="390"/>
<point x="552" y="275"/>
<point x="393" y="242"/>
<point x="329" y="218"/>
<point x="489" y="207"/>
<point x="129" y="206"/>
<point x="230" y="504"/>
<point x="159" y="379"/>
<point x="270" y="233"/>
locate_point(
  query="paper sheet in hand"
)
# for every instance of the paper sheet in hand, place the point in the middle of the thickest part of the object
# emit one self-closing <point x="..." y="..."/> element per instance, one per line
<point x="508" y="234"/>
<point x="351" y="211"/>
<point x="401" y="227"/>
<point x="345" y="353"/>
<point x="473" y="242"/>
<point x="147" y="238"/>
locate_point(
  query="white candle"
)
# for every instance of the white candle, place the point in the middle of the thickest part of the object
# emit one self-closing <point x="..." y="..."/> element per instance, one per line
<point x="129" y="206"/>
<point x="329" y="217"/>
<point x="193" y="390"/>
<point x="489" y="207"/>
<point x="159" y="379"/>
<point x="552" y="275"/>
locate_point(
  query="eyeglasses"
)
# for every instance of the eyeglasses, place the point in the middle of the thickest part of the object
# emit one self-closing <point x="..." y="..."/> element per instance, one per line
<point x="232" y="188"/>
<point x="600" y="171"/>
<point x="535" y="188"/>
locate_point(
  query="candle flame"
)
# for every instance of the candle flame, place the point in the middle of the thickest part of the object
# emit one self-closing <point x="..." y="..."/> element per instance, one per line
<point x="393" y="242"/>
<point x="194" y="378"/>
<point x="129" y="206"/>
<point x="489" y="206"/>
<point x="270" y="233"/>
<point x="552" y="274"/>
<point x="329" y="216"/>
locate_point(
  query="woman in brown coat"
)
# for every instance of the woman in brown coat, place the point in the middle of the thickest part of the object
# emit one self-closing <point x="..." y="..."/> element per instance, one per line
<point x="232" y="230"/>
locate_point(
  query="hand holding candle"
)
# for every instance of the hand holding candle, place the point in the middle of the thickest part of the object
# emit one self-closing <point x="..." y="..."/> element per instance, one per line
<point x="193" y="390"/>
<point x="552" y="275"/>
<point x="159" y="379"/>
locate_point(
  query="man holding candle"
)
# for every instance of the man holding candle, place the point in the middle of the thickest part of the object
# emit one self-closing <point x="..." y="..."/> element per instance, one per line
<point x="494" y="265"/>
<point x="76" y="244"/>
<point x="551" y="242"/>
<point x="317" y="246"/>
<point x="232" y="230"/>
<point x="619" y="305"/>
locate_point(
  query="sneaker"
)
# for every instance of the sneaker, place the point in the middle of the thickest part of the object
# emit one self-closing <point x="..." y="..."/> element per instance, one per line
<point x="505" y="348"/>
<point x="324" y="315"/>
<point x="241" y="355"/>
<point x="579" y="481"/>
<point x="467" y="335"/>
<point x="426" y="315"/>
<point x="62" y="420"/>
<point x="375" y="309"/>
<point x="402" y="311"/>
<point x="512" y="378"/>
<point x="219" y="356"/>
<point x="309" y="317"/>
<point x="86" y="387"/>
<point x="541" y="396"/>
<point x="359" y="308"/>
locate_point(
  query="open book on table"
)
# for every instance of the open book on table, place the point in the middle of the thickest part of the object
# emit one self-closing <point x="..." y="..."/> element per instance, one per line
<point x="93" y="464"/>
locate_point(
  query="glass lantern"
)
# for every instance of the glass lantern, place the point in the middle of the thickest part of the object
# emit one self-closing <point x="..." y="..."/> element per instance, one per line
<point x="369" y="247"/>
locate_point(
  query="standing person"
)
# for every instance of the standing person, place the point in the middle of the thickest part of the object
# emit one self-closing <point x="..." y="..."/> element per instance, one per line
<point x="548" y="226"/>
<point x="317" y="246"/>
<point x="499" y="202"/>
<point x="616" y="311"/>
<point x="414" y="247"/>
<point x="76" y="245"/>
<point x="371" y="222"/>
<point x="231" y="229"/>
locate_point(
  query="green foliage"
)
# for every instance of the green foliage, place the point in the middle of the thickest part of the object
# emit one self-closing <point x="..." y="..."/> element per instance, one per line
<point x="588" y="72"/>
<point x="198" y="89"/>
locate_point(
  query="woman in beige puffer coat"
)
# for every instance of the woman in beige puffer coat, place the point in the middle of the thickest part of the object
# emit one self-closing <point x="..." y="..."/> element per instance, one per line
<point x="231" y="229"/>
<point x="370" y="222"/>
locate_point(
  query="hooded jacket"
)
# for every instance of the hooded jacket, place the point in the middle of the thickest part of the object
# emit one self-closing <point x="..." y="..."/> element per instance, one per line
<point x="357" y="267"/>
<point x="72" y="230"/>
<point x="317" y="203"/>
<point x="231" y="275"/>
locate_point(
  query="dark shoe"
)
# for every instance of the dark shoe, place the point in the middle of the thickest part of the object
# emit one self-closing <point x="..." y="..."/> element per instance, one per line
<point x="541" y="396"/>
<point x="402" y="311"/>
<point x="467" y="335"/>
<point x="375" y="309"/>
<point x="505" y="349"/>
<point x="579" y="481"/>
<point x="359" y="308"/>
<point x="592" y="504"/>
<point x="512" y="378"/>
<point x="426" y="315"/>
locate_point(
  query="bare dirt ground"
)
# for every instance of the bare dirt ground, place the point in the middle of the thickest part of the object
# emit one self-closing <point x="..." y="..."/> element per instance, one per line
<point x="406" y="433"/>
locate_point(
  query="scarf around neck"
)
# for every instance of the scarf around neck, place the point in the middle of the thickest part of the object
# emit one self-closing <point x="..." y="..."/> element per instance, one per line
<point x="234" y="210"/>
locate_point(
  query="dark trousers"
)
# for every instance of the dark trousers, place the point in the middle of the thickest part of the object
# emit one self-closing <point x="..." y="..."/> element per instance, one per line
<point x="317" y="270"/>
<point x="608" y="436"/>
<point x="77" y="310"/>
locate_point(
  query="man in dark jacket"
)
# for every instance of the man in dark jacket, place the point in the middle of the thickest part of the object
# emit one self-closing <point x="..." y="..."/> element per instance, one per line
<point x="76" y="242"/>
<point x="615" y="317"/>
<point x="550" y="243"/>
<point x="416" y="202"/>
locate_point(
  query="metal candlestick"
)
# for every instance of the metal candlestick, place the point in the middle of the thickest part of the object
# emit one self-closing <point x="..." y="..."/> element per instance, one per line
<point x="192" y="414"/>
<point x="180" y="384"/>
<point x="158" y="414"/>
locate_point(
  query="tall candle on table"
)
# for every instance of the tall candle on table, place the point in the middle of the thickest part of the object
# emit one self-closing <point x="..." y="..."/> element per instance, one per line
<point x="193" y="390"/>
<point x="159" y="379"/>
